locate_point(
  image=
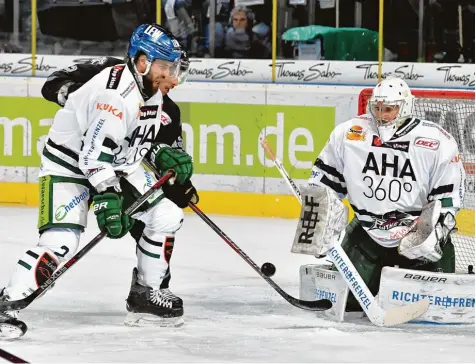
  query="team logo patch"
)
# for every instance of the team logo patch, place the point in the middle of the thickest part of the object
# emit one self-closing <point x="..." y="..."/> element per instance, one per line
<point x="376" y="141"/>
<point x="91" y="172"/>
<point x="356" y="132"/>
<point x="427" y="143"/>
<point x="165" y="118"/>
<point x="391" y="220"/>
<point x="168" y="248"/>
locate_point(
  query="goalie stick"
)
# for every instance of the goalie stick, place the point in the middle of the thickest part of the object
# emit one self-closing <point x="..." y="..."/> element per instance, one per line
<point x="319" y="305"/>
<point x="375" y="313"/>
<point x="25" y="302"/>
<point x="11" y="358"/>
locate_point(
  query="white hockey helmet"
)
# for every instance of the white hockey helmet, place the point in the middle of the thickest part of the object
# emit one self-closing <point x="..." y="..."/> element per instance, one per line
<point x="391" y="94"/>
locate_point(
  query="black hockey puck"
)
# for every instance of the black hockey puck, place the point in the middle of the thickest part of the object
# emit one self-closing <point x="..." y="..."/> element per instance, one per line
<point x="268" y="269"/>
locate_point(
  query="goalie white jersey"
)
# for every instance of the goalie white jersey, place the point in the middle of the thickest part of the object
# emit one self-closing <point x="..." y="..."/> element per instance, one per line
<point x="387" y="184"/>
<point x="104" y="127"/>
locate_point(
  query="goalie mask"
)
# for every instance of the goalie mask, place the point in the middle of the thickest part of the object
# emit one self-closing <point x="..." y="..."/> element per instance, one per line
<point x="390" y="105"/>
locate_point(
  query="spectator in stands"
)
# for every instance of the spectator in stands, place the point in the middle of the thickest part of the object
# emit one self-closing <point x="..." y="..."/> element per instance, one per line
<point x="239" y="36"/>
<point x="244" y="39"/>
<point x="222" y="15"/>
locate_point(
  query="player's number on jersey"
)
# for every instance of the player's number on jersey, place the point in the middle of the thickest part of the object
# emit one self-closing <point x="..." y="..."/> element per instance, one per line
<point x="393" y="191"/>
<point x="65" y="249"/>
<point x="139" y="153"/>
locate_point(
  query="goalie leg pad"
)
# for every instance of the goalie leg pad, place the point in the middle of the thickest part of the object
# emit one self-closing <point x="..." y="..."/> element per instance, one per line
<point x="323" y="216"/>
<point x="452" y="296"/>
<point x="320" y="282"/>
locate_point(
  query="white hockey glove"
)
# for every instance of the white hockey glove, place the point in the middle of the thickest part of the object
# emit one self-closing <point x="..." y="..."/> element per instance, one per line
<point x="429" y="235"/>
<point x="323" y="217"/>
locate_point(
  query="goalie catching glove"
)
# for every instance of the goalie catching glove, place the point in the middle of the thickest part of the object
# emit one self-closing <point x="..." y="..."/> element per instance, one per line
<point x="323" y="218"/>
<point x="167" y="158"/>
<point x="429" y="235"/>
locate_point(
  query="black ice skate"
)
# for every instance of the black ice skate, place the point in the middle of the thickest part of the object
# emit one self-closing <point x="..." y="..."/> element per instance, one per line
<point x="10" y="327"/>
<point x="146" y="306"/>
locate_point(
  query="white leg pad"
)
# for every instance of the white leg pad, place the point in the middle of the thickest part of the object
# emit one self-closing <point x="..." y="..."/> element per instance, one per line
<point x="319" y="282"/>
<point x="452" y="296"/>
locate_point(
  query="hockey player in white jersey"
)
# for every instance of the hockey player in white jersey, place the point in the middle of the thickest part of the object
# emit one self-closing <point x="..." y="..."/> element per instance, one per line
<point x="93" y="153"/>
<point x="391" y="166"/>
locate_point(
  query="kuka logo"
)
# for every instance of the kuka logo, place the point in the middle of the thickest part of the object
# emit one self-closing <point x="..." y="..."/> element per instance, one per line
<point x="109" y="108"/>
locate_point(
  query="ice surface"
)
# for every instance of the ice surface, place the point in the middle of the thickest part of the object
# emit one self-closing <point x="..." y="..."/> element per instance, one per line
<point x="231" y="314"/>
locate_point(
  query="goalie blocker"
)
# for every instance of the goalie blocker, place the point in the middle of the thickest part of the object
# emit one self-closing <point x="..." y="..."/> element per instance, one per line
<point x="451" y="296"/>
<point x="323" y="217"/>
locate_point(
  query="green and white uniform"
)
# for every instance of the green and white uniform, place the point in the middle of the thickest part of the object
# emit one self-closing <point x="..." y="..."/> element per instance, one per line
<point x="97" y="141"/>
<point x="387" y="185"/>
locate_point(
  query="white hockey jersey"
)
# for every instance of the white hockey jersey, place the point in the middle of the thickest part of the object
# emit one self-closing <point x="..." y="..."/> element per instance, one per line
<point x="387" y="184"/>
<point x="104" y="127"/>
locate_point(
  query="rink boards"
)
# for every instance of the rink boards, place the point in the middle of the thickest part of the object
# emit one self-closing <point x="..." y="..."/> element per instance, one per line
<point x="222" y="126"/>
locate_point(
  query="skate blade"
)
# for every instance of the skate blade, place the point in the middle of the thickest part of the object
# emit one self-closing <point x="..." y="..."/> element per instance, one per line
<point x="147" y="320"/>
<point x="12" y="329"/>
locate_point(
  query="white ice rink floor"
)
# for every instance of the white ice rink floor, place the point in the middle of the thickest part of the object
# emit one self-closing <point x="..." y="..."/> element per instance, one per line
<point x="231" y="314"/>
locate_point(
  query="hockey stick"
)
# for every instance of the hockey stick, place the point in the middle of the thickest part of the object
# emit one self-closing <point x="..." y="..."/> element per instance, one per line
<point x="23" y="303"/>
<point x="11" y="358"/>
<point x="319" y="305"/>
<point x="375" y="313"/>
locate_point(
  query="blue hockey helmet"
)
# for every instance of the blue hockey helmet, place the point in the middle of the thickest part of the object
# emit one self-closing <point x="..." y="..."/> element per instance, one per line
<point x="155" y="42"/>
